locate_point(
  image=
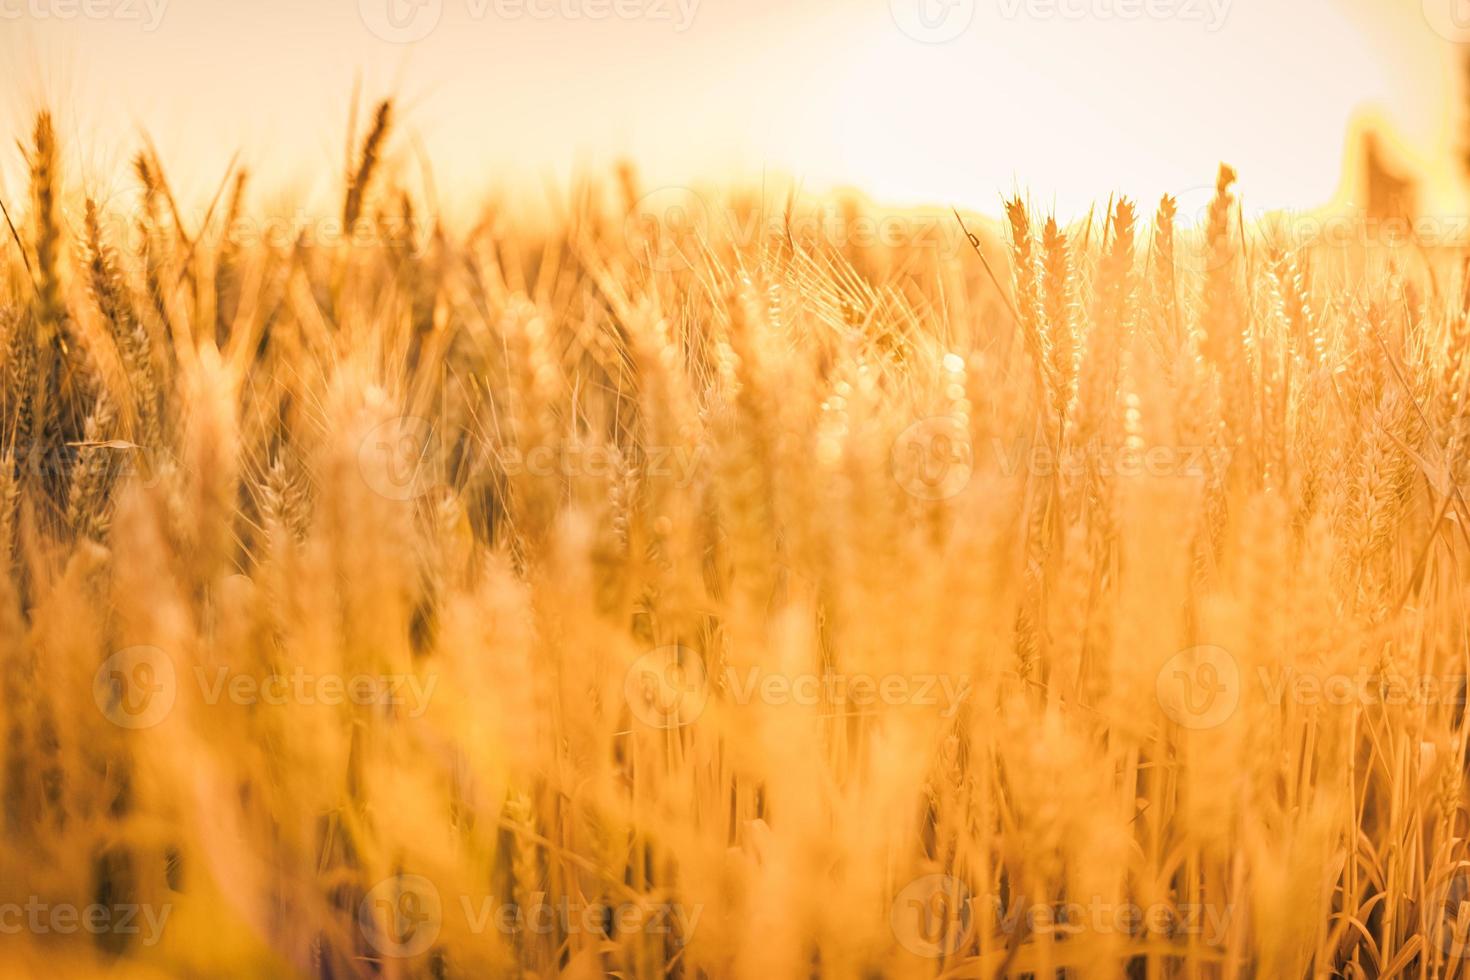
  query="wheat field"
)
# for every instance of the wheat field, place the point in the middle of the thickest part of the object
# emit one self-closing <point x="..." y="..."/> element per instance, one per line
<point x="679" y="589"/>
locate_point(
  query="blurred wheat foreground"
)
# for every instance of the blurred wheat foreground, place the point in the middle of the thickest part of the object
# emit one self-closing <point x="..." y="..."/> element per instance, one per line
<point x="640" y="597"/>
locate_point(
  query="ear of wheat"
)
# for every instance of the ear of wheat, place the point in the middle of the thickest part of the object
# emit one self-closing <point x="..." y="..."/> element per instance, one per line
<point x="549" y="601"/>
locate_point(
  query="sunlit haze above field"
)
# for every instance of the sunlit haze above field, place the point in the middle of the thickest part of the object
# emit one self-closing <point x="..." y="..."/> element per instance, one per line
<point x="922" y="101"/>
<point x="549" y="489"/>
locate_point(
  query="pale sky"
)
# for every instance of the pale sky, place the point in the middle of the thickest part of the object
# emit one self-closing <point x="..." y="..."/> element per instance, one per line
<point x="914" y="101"/>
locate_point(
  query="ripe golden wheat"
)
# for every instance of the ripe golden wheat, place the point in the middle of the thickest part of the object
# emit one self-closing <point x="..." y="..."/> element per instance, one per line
<point x="682" y="592"/>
